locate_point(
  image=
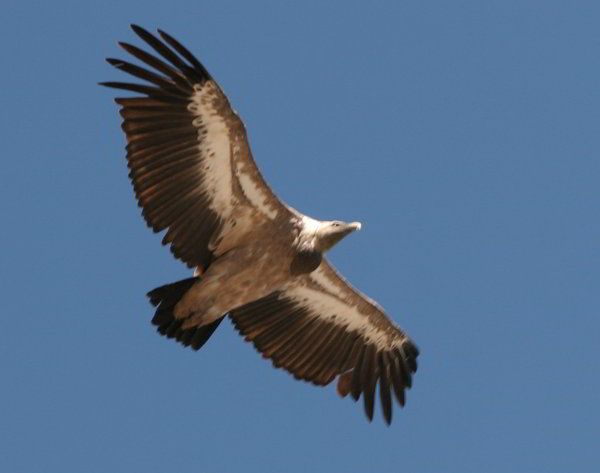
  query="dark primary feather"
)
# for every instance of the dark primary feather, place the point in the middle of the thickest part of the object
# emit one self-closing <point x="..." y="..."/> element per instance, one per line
<point x="384" y="386"/>
<point x="185" y="53"/>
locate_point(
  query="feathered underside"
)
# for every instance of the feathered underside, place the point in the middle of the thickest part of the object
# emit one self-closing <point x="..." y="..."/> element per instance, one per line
<point x="318" y="328"/>
<point x="191" y="166"/>
<point x="194" y="176"/>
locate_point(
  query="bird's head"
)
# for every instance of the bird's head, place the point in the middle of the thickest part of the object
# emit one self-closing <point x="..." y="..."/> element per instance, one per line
<point x="329" y="233"/>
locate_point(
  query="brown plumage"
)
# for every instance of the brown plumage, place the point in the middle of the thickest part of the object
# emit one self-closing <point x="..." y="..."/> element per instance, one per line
<point x="256" y="259"/>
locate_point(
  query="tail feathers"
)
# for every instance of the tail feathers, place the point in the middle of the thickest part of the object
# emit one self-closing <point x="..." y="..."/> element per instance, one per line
<point x="170" y="294"/>
<point x="164" y="298"/>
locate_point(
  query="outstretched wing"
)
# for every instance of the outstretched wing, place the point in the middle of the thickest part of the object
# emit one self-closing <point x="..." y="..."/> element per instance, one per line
<point x="191" y="164"/>
<point x="319" y="327"/>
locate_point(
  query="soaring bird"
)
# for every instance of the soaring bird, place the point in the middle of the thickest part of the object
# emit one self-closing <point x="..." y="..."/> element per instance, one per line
<point x="256" y="259"/>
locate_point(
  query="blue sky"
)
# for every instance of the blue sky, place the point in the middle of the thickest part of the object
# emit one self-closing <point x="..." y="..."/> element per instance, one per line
<point x="464" y="136"/>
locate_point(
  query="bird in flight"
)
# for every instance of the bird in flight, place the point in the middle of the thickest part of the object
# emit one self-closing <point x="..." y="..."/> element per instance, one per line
<point x="255" y="258"/>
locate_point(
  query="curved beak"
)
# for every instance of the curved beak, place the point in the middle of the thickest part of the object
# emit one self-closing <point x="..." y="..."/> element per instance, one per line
<point x="334" y="234"/>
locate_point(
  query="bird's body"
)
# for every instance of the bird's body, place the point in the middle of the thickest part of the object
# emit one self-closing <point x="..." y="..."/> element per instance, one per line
<point x="256" y="259"/>
<point x="230" y="281"/>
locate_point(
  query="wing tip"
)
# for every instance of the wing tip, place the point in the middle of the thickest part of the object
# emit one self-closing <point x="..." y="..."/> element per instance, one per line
<point x="412" y="353"/>
<point x="394" y="369"/>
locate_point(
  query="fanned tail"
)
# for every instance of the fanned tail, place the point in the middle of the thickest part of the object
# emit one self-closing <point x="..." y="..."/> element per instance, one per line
<point x="164" y="298"/>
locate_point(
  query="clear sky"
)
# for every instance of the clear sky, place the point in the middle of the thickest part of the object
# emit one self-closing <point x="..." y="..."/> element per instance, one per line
<point x="465" y="137"/>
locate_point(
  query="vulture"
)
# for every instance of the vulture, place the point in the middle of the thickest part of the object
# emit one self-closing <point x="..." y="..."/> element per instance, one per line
<point x="255" y="259"/>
